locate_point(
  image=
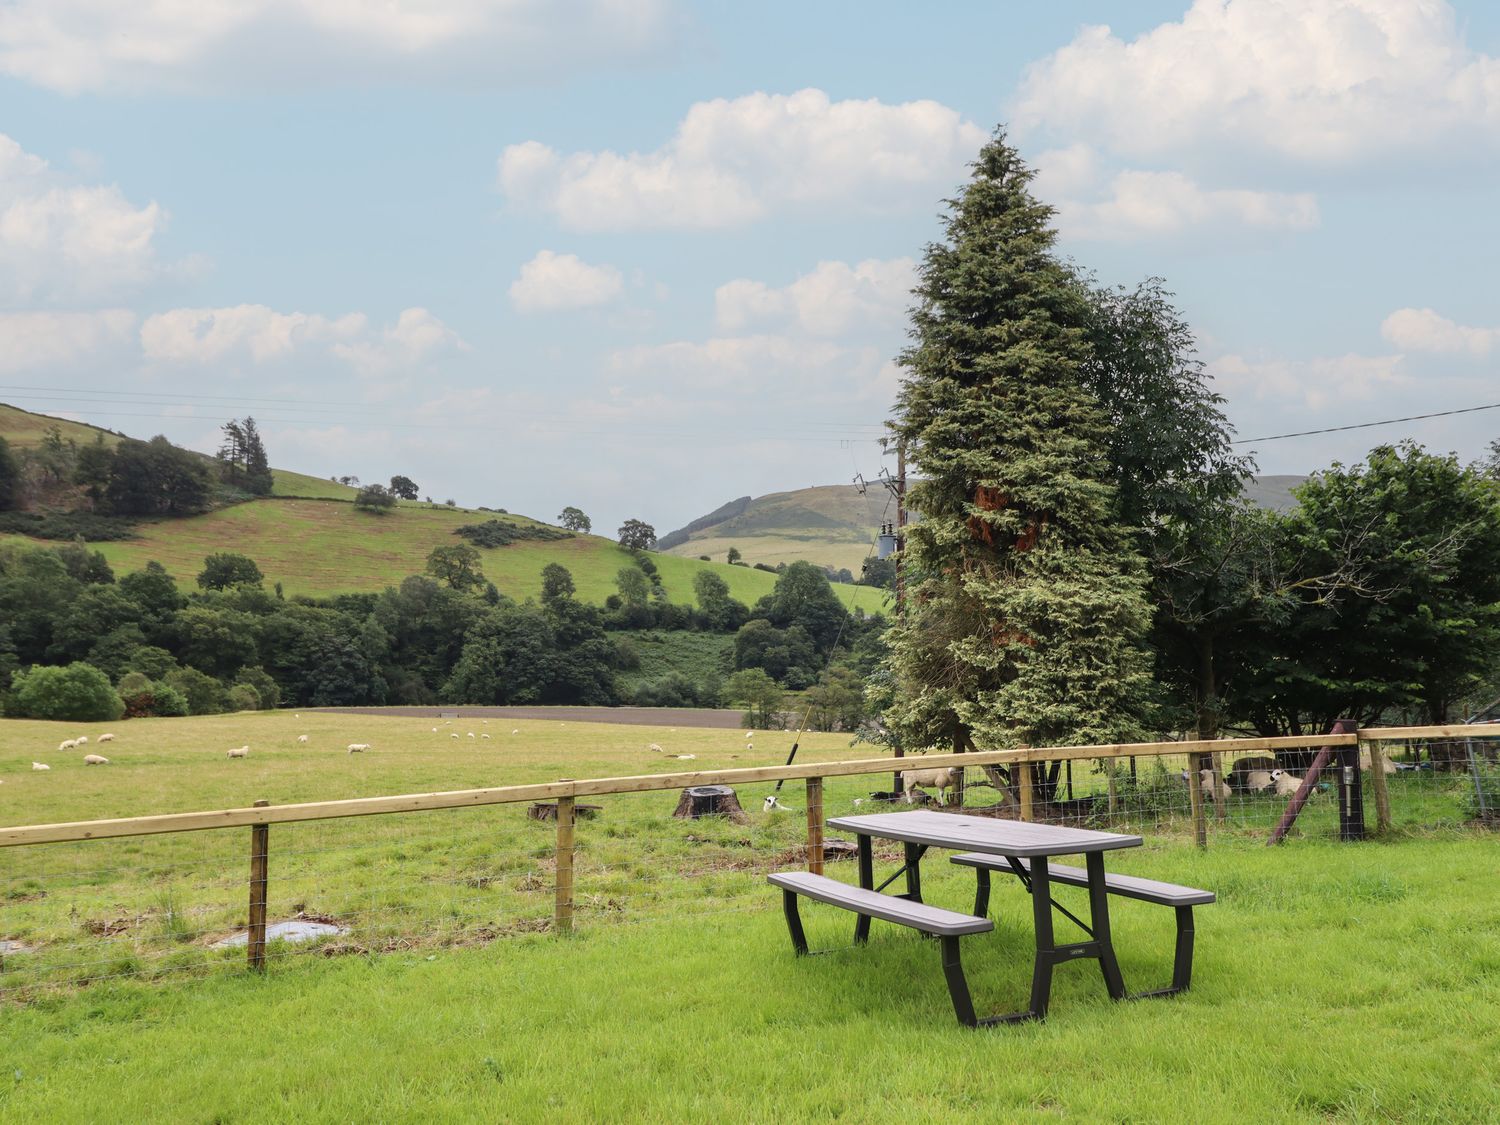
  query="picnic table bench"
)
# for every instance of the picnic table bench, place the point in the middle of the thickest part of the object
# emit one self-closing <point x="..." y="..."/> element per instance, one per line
<point x="1021" y="849"/>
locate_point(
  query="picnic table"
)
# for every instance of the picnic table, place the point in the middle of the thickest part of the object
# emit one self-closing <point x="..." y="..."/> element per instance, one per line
<point x="987" y="844"/>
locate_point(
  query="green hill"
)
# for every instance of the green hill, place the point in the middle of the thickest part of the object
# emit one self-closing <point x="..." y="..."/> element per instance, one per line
<point x="835" y="525"/>
<point x="308" y="537"/>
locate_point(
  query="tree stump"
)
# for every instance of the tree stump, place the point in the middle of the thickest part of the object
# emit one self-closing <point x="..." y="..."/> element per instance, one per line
<point x="710" y="800"/>
<point x="547" y="810"/>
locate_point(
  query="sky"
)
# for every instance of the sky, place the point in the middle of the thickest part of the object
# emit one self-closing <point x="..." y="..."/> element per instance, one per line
<point x="645" y="257"/>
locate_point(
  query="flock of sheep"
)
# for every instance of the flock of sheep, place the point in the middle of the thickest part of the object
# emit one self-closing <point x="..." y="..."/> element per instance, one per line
<point x="73" y="744"/>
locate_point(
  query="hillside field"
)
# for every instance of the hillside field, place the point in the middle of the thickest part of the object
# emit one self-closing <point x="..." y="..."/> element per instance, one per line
<point x="1332" y="982"/>
<point x="22" y="428"/>
<point x="322" y="547"/>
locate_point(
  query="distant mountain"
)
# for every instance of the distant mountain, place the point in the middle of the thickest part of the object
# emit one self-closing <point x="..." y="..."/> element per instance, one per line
<point x="835" y="524"/>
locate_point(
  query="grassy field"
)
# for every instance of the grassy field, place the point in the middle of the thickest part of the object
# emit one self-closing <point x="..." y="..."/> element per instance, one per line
<point x="322" y="547"/>
<point x="22" y="428"/>
<point x="1332" y="982"/>
<point x="300" y="486"/>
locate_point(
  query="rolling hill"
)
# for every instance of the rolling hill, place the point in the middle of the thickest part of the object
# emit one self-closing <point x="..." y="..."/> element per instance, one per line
<point x="835" y="525"/>
<point x="308" y="536"/>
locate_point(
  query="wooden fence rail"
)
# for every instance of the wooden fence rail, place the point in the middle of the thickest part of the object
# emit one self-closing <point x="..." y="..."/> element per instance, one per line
<point x="566" y="791"/>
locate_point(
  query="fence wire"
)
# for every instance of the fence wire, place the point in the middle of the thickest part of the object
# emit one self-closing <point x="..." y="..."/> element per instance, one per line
<point x="154" y="907"/>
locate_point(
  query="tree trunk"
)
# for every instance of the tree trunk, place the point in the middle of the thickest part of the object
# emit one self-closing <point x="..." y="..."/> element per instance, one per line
<point x="710" y="800"/>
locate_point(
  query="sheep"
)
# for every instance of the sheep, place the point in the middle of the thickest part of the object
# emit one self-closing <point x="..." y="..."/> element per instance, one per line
<point x="1244" y="767"/>
<point x="1286" y="783"/>
<point x="471" y="734"/>
<point x="486" y="734"/>
<point x="40" y="766"/>
<point x="685" y="757"/>
<point x="1213" y="789"/>
<point x="749" y="746"/>
<point x="358" y="747"/>
<point x="95" y="760"/>
<point x="940" y="779"/>
<point x="238" y="752"/>
<point x="1258" y="781"/>
<point x="749" y="734"/>
<point x="106" y="738"/>
<point x="515" y="731"/>
<point x="69" y="744"/>
<point x="771" y="803"/>
<point x="454" y="735"/>
<point x="302" y="740"/>
<point x="1386" y="765"/>
<point x="81" y="740"/>
<point x="655" y="749"/>
<point x="434" y="730"/>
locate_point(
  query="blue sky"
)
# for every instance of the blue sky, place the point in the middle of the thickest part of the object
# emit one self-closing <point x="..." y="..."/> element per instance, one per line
<point x="643" y="258"/>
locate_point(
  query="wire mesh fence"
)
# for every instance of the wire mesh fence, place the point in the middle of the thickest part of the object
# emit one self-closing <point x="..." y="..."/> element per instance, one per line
<point x="151" y="907"/>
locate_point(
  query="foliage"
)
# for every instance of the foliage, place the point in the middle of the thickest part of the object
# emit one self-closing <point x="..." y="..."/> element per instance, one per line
<point x="732" y="556"/>
<point x="719" y="612"/>
<point x="574" y="520"/>
<point x="522" y="654"/>
<point x="242" y="697"/>
<point x="203" y="693"/>
<point x="557" y="583"/>
<point x="501" y="533"/>
<point x="786" y="655"/>
<point x="77" y="692"/>
<point x="242" y="458"/>
<point x="458" y="565"/>
<point x="10" y="477"/>
<point x="835" y="702"/>
<point x="636" y="535"/>
<point x="226" y="569"/>
<point x="375" y="498"/>
<point x="1027" y="613"/>
<point x="758" y="693"/>
<point x="404" y="488"/>
<point x="67" y="525"/>
<point x="804" y="598"/>
<point x="155" y="477"/>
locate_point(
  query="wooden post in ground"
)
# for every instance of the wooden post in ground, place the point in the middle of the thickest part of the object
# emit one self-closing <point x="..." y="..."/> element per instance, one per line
<point x="1221" y="811"/>
<point x="562" y="908"/>
<point x="260" y="847"/>
<point x="1196" y="766"/>
<point x="1028" y="800"/>
<point x="1109" y="778"/>
<point x="958" y="776"/>
<point x="1377" y="781"/>
<point x="815" y="825"/>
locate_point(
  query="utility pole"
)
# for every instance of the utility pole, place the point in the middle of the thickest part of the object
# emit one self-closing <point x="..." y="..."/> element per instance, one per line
<point x="900" y="492"/>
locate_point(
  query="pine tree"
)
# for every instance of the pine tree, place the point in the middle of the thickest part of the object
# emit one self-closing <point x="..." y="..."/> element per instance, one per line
<point x="1026" y="606"/>
<point x="232" y="450"/>
<point x="258" y="478"/>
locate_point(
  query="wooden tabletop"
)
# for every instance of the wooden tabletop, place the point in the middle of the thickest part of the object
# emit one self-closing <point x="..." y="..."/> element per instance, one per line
<point x="983" y="833"/>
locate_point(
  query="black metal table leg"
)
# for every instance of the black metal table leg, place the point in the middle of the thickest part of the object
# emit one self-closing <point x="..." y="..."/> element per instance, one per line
<point x="1041" y="913"/>
<point x="1099" y="924"/>
<point x="867" y="881"/>
<point x="913" y="857"/>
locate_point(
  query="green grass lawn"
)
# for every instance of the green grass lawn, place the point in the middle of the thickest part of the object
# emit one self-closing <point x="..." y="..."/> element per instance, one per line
<point x="322" y="547"/>
<point x="1332" y="981"/>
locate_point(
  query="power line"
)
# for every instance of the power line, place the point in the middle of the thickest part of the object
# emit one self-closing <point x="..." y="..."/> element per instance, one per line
<point x="1368" y="425"/>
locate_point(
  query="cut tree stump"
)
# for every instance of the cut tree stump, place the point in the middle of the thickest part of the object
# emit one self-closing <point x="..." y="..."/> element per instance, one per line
<point x="547" y="810"/>
<point x="710" y="800"/>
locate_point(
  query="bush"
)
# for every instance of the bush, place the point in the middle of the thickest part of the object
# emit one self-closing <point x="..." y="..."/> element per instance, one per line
<point x="77" y="693"/>
<point x="204" y="694"/>
<point x="170" y="703"/>
<point x="499" y="533"/>
<point x="243" y="697"/>
<point x="374" y="498"/>
<point x="67" y="525"/>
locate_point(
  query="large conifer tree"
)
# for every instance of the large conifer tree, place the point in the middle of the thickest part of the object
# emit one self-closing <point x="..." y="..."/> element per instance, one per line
<point x="1026" y="607"/>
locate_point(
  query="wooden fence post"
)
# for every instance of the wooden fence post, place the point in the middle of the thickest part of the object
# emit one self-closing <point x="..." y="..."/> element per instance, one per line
<point x="958" y="775"/>
<point x="260" y="847"/>
<point x="815" y="825"/>
<point x="1377" y="781"/>
<point x="1028" y="800"/>
<point x="562" y="909"/>
<point x="1109" y="777"/>
<point x="1196" y="763"/>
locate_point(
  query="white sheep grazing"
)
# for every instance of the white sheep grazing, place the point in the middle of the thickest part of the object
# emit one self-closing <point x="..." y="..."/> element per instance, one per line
<point x="515" y="732"/>
<point x="654" y="748"/>
<point x="749" y="734"/>
<point x="471" y="734"/>
<point x="238" y="752"/>
<point x="68" y="745"/>
<point x="942" y="780"/>
<point x="434" y="730"/>
<point x="81" y="740"/>
<point x="454" y="736"/>
<point x="106" y="738"/>
<point x="1286" y="783"/>
<point x="301" y="740"/>
<point x="95" y="760"/>
<point x="1213" y="789"/>
<point x="40" y="766"/>
<point x="1386" y="765"/>
<point x="685" y="757"/>
<point x="486" y="734"/>
<point x="358" y="747"/>
<point x="749" y="746"/>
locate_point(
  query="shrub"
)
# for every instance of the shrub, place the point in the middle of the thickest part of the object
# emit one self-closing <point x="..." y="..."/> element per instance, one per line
<point x="374" y="498"/>
<point x="243" y="697"/>
<point x="77" y="693"/>
<point x="204" y="694"/>
<point x="170" y="703"/>
<point x="500" y="533"/>
<point x="67" y="525"/>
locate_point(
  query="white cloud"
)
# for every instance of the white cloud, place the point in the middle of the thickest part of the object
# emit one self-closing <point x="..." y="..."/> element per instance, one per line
<point x="833" y="300"/>
<point x="263" y="335"/>
<point x="63" y="241"/>
<point x="1312" y="383"/>
<point x="1140" y="204"/>
<point x="1320" y="81"/>
<point x="1424" y="330"/>
<point x="732" y="161"/>
<point x="33" y="340"/>
<point x="217" y="45"/>
<point x="550" y="282"/>
<point x="818" y="372"/>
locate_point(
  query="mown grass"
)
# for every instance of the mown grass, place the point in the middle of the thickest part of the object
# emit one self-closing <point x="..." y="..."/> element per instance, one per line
<point x="322" y="547"/>
<point x="1333" y="982"/>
